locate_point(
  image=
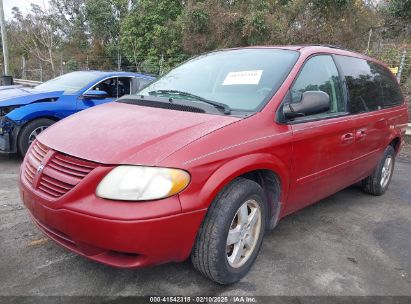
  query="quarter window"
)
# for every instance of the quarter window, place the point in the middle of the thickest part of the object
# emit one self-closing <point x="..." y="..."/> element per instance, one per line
<point x="363" y="80"/>
<point x="391" y="91"/>
<point x="320" y="74"/>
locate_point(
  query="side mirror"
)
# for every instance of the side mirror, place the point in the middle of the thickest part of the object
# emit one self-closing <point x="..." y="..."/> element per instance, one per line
<point x="95" y="94"/>
<point x="312" y="102"/>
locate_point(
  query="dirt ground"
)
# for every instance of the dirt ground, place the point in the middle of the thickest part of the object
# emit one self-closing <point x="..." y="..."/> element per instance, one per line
<point x="406" y="149"/>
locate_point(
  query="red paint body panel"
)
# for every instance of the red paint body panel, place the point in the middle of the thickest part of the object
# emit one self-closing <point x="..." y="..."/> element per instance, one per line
<point x="321" y="161"/>
<point x="144" y="136"/>
<point x="120" y="243"/>
<point x="312" y="160"/>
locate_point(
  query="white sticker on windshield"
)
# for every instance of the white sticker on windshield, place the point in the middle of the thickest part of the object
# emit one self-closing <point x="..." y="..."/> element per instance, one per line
<point x="243" y="77"/>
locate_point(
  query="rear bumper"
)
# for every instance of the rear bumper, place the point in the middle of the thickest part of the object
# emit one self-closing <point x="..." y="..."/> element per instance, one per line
<point x="120" y="243"/>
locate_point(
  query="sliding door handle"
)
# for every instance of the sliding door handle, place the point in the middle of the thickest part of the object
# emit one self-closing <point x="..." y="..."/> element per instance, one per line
<point x="347" y="137"/>
<point x="360" y="134"/>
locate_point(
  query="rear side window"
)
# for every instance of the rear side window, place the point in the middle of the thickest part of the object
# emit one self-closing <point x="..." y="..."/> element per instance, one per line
<point x="320" y="74"/>
<point x="123" y="86"/>
<point x="363" y="80"/>
<point x="390" y="89"/>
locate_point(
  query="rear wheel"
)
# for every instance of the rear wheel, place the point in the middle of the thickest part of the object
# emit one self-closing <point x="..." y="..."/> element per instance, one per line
<point x="232" y="232"/>
<point x="30" y="132"/>
<point x="378" y="182"/>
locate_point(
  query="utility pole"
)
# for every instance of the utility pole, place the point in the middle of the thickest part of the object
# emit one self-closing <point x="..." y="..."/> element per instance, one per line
<point x="402" y="63"/>
<point x="118" y="59"/>
<point x="161" y="64"/>
<point x="41" y="71"/>
<point x="4" y="40"/>
<point x="61" y="64"/>
<point x="369" y="41"/>
<point x="23" y="66"/>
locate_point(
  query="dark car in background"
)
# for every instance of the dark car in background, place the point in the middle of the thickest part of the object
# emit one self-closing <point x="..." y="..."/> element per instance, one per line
<point x="26" y="112"/>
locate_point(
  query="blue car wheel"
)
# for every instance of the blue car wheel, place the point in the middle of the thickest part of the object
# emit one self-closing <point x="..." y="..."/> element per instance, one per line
<point x="29" y="133"/>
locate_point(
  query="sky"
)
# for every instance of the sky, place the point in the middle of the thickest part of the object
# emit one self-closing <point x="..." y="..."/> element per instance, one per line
<point x="23" y="5"/>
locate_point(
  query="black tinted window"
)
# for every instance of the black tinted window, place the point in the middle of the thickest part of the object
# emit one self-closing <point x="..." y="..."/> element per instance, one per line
<point x="320" y="74"/>
<point x="109" y="86"/>
<point x="390" y="88"/>
<point x="364" y="84"/>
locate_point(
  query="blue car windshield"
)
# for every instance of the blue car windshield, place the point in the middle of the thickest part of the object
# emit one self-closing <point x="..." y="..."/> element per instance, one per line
<point x="69" y="83"/>
<point x="243" y="79"/>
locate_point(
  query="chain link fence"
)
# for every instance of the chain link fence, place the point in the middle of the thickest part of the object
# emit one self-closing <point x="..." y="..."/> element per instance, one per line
<point x="396" y="57"/>
<point x="34" y="69"/>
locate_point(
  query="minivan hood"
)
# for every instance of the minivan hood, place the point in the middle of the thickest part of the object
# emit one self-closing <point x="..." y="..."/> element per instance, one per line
<point x="19" y="96"/>
<point x="119" y="133"/>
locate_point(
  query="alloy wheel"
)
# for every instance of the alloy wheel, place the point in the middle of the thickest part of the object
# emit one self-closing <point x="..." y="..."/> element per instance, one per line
<point x="33" y="135"/>
<point x="386" y="171"/>
<point x="244" y="233"/>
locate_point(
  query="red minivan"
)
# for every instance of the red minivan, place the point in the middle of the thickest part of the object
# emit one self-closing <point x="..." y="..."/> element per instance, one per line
<point x="207" y="158"/>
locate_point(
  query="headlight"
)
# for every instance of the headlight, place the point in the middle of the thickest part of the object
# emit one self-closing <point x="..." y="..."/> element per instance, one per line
<point x="137" y="183"/>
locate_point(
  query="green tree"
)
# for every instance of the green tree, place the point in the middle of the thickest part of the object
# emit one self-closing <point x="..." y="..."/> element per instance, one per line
<point x="104" y="18"/>
<point x="152" y="32"/>
<point x="38" y="35"/>
<point x="397" y="19"/>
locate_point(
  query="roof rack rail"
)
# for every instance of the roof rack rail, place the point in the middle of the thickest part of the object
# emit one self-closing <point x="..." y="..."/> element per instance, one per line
<point x="333" y="46"/>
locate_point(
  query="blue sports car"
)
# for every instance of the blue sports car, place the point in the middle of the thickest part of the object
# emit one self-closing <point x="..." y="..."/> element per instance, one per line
<point x="25" y="113"/>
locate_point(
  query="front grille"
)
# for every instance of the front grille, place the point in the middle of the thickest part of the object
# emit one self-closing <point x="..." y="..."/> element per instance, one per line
<point x="52" y="173"/>
<point x="35" y="157"/>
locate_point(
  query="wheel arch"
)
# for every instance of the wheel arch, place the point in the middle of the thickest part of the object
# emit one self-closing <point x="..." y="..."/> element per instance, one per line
<point x="265" y="169"/>
<point x="25" y="123"/>
<point x="396" y="144"/>
<point x="271" y="184"/>
<point x="22" y="126"/>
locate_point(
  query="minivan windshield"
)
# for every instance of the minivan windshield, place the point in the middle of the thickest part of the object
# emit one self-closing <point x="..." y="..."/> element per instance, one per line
<point x="69" y="83"/>
<point x="243" y="79"/>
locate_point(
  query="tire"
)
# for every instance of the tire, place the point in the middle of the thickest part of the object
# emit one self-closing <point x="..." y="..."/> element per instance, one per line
<point x="211" y="255"/>
<point x="26" y="134"/>
<point x="377" y="183"/>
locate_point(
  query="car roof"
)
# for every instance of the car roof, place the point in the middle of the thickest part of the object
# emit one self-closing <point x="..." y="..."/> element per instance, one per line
<point x="311" y="49"/>
<point x="114" y="73"/>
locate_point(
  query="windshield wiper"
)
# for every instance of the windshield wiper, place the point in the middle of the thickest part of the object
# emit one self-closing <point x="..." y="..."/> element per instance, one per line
<point x="221" y="106"/>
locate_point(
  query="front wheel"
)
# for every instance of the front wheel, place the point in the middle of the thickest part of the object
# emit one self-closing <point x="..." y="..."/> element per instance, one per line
<point x="378" y="182"/>
<point x="30" y="132"/>
<point x="232" y="232"/>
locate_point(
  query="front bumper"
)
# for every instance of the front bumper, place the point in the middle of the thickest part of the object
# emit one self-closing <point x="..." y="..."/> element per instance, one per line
<point x="8" y="134"/>
<point x="120" y="243"/>
<point x="4" y="143"/>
